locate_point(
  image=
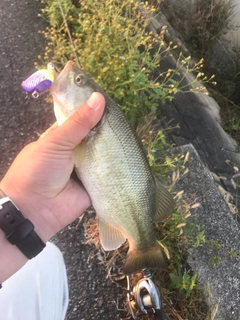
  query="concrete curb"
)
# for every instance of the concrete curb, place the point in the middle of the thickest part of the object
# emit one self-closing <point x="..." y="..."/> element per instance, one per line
<point x="222" y="278"/>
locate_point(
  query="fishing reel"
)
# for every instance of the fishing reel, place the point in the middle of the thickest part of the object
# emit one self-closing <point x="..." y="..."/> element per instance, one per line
<point x="144" y="297"/>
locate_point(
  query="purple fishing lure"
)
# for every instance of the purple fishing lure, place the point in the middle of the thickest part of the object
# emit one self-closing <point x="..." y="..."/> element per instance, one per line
<point x="39" y="81"/>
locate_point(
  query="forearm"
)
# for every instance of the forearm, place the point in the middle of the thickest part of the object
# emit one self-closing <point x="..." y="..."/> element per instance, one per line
<point x="46" y="224"/>
<point x="12" y="259"/>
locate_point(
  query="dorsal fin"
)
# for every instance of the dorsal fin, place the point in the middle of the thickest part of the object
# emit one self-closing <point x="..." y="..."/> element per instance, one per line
<point x="165" y="202"/>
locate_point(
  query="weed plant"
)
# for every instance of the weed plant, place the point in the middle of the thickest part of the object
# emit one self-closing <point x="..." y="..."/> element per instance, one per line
<point x="204" y="30"/>
<point x="114" y="48"/>
<point x="110" y="41"/>
<point x="207" y="22"/>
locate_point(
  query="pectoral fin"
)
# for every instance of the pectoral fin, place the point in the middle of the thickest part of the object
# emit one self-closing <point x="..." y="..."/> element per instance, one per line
<point x="110" y="237"/>
<point x="165" y="203"/>
<point x="79" y="153"/>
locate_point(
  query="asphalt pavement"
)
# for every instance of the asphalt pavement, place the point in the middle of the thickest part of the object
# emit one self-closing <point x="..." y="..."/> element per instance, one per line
<point x="92" y="296"/>
<point x="22" y="120"/>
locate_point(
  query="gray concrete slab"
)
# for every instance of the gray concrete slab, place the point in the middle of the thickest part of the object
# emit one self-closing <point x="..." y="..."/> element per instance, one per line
<point x="218" y="261"/>
<point x="192" y="117"/>
<point x="198" y="120"/>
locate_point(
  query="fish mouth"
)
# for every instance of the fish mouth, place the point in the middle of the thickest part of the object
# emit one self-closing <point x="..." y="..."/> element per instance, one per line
<point x="63" y="90"/>
<point x="59" y="85"/>
<point x="67" y="67"/>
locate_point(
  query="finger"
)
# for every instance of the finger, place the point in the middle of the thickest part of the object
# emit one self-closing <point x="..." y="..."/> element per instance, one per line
<point x="50" y="129"/>
<point x="76" y="127"/>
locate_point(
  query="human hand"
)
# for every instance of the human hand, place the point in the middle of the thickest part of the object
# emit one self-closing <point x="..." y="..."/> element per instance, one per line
<point x="39" y="180"/>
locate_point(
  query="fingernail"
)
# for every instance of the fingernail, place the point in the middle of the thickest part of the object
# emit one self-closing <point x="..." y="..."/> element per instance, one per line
<point x="93" y="101"/>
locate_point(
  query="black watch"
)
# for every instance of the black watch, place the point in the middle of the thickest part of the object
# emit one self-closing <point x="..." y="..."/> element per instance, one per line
<point x="19" y="231"/>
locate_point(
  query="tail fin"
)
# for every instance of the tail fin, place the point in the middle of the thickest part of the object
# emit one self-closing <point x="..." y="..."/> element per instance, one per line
<point x="137" y="260"/>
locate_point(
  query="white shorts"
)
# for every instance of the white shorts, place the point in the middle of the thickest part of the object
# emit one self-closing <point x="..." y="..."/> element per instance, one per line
<point x="38" y="291"/>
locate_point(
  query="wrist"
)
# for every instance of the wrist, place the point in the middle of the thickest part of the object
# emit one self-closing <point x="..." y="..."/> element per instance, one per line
<point x="18" y="240"/>
<point x="19" y="230"/>
<point x="32" y="210"/>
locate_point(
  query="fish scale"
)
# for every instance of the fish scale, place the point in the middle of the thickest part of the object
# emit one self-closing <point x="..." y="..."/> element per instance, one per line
<point x="116" y="174"/>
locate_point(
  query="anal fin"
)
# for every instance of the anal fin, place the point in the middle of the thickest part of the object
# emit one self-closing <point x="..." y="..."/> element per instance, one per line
<point x="110" y="237"/>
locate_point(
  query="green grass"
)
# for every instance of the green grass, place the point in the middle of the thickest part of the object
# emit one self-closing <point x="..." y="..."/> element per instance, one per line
<point x="230" y="115"/>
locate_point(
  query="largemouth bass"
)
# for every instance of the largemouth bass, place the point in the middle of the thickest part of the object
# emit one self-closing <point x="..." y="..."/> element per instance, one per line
<point x="113" y="167"/>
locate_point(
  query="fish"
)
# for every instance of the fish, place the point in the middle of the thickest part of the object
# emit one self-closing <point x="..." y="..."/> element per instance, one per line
<point x="113" y="167"/>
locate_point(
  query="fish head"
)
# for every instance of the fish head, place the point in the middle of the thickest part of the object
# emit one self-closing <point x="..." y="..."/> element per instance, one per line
<point x="70" y="91"/>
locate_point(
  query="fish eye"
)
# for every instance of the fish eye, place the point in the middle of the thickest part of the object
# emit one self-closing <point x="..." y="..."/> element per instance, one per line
<point x="78" y="79"/>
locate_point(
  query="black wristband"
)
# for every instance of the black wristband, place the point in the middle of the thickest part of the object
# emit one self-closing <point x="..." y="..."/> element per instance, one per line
<point x="19" y="231"/>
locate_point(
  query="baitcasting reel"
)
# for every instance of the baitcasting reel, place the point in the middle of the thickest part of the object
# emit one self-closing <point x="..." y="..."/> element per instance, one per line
<point x="145" y="298"/>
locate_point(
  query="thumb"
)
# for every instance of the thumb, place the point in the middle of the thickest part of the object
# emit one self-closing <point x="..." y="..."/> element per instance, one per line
<point x="50" y="129"/>
<point x="76" y="127"/>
